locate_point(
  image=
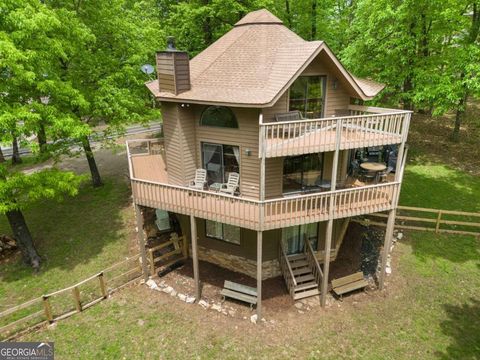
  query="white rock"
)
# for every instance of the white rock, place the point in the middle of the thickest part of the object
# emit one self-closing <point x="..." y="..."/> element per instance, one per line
<point x="182" y="297"/>
<point x="204" y="304"/>
<point x="400" y="236"/>
<point x="263" y="320"/>
<point x="253" y="318"/>
<point x="174" y="292"/>
<point x="167" y="290"/>
<point x="388" y="270"/>
<point x="231" y="313"/>
<point x="301" y="312"/>
<point x="217" y="307"/>
<point x="151" y="284"/>
<point x="298" y="305"/>
<point x="190" y="299"/>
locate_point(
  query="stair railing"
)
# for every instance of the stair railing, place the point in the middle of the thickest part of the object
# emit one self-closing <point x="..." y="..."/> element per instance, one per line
<point x="313" y="261"/>
<point x="286" y="270"/>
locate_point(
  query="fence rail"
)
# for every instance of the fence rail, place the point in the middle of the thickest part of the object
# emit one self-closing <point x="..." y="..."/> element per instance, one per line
<point x="434" y="220"/>
<point x="73" y="299"/>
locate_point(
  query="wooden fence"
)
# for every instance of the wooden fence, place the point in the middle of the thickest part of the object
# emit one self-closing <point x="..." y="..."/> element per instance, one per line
<point x="63" y="303"/>
<point x="180" y="247"/>
<point x="435" y="220"/>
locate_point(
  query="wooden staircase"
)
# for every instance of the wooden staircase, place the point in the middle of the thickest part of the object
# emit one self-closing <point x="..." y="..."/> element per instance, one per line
<point x="302" y="272"/>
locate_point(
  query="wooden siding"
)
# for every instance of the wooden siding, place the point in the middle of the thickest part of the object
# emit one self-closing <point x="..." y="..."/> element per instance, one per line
<point x="245" y="137"/>
<point x="173" y="71"/>
<point x="180" y="151"/>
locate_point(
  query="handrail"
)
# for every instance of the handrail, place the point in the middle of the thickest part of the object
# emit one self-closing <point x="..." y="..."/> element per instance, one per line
<point x="312" y="253"/>
<point x="290" y="271"/>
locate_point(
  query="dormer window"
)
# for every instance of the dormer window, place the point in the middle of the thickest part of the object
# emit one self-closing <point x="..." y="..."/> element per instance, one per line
<point x="307" y="95"/>
<point x="219" y="116"/>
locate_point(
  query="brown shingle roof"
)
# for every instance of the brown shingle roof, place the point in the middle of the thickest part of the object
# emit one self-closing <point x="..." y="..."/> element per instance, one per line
<point x="252" y="65"/>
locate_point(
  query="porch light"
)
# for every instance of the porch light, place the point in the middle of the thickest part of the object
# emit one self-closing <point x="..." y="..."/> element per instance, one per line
<point x="248" y="152"/>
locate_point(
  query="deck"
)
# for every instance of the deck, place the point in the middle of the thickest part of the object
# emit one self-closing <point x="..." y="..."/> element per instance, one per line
<point x="150" y="188"/>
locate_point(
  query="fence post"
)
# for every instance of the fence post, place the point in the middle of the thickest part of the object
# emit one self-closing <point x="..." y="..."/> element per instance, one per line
<point x="47" y="308"/>
<point x="103" y="289"/>
<point x="76" y="298"/>
<point x="437" y="226"/>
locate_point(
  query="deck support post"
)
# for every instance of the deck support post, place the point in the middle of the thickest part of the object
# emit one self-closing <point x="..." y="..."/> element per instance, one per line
<point x="326" y="263"/>
<point x="386" y="247"/>
<point x="259" y="274"/>
<point x="141" y="241"/>
<point x="196" y="275"/>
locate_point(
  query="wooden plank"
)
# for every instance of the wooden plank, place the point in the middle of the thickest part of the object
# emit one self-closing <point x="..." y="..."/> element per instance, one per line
<point x="103" y="288"/>
<point x="347" y="279"/>
<point x="239" y="296"/>
<point x="350" y="287"/>
<point x="259" y="273"/>
<point x="20" y="321"/>
<point x="20" y="307"/>
<point x="48" y="309"/>
<point x="76" y="298"/>
<point x="240" y="288"/>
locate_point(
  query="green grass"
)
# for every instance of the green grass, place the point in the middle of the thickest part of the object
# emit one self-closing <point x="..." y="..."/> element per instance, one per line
<point x="431" y="311"/>
<point x="441" y="187"/>
<point x="75" y="239"/>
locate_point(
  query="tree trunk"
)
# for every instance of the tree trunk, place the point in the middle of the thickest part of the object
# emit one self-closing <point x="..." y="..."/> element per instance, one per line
<point x="16" y="159"/>
<point x="287" y="12"/>
<point x="23" y="238"/>
<point x="42" y="138"/>
<point x="96" y="179"/>
<point x="314" y="19"/>
<point x="2" y="157"/>
<point x="458" y="118"/>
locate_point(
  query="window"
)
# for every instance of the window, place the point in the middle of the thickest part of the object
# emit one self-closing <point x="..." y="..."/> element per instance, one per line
<point x="307" y="94"/>
<point x="294" y="237"/>
<point x="302" y="172"/>
<point x="163" y="220"/>
<point x="225" y="232"/>
<point x="219" y="161"/>
<point x="218" y="116"/>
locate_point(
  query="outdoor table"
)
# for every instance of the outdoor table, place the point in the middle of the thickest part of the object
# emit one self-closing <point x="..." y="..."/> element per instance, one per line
<point x="373" y="166"/>
<point x="215" y="186"/>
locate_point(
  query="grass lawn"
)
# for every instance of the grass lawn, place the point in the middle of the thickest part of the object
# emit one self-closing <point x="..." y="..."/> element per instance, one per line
<point x="430" y="310"/>
<point x="75" y="238"/>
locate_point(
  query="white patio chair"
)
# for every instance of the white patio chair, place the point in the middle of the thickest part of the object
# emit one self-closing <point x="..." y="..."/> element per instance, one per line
<point x="231" y="185"/>
<point x="200" y="180"/>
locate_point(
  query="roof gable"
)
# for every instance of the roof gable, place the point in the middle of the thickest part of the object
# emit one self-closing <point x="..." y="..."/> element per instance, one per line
<point x="254" y="64"/>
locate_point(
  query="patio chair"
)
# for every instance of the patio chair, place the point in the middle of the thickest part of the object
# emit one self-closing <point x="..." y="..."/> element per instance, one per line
<point x="289" y="116"/>
<point x="231" y="185"/>
<point x="383" y="176"/>
<point x="200" y="179"/>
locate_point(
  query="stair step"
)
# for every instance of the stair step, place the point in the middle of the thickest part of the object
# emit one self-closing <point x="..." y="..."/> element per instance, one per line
<point x="296" y="257"/>
<point x="304" y="278"/>
<point x="306" y="286"/>
<point x="298" y="264"/>
<point x="305" y="294"/>
<point x="301" y="271"/>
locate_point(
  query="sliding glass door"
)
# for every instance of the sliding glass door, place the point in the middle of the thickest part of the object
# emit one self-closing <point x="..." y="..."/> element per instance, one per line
<point x="293" y="237"/>
<point x="220" y="160"/>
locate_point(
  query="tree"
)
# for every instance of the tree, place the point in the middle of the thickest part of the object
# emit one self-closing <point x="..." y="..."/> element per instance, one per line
<point x="32" y="39"/>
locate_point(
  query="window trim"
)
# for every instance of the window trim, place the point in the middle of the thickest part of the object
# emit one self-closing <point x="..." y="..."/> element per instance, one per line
<point x="223" y="160"/>
<point x="324" y="92"/>
<point x="223" y="234"/>
<point x="217" y="126"/>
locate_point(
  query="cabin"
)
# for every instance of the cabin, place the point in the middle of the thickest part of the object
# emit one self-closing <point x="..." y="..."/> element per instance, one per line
<point x="268" y="152"/>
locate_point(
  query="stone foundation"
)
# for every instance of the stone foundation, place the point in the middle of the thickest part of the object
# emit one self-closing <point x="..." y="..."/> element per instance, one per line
<point x="270" y="268"/>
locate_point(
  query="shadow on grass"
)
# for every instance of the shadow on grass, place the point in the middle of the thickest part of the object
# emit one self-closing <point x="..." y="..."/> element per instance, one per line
<point x="463" y="326"/>
<point x="73" y="232"/>
<point x="440" y="187"/>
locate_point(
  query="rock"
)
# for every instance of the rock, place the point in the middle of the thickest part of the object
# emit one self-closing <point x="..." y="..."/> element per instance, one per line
<point x="190" y="299"/>
<point x="167" y="290"/>
<point x="204" y="304"/>
<point x="231" y="313"/>
<point x="263" y="320"/>
<point x="217" y="307"/>
<point x="151" y="284"/>
<point x="224" y="312"/>
<point x="182" y="297"/>
<point x="301" y="312"/>
<point x="253" y="318"/>
<point x="388" y="270"/>
<point x="174" y="292"/>
<point x="400" y="236"/>
<point x="298" y="305"/>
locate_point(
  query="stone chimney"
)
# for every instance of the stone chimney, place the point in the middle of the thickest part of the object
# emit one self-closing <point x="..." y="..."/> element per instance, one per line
<point x="173" y="69"/>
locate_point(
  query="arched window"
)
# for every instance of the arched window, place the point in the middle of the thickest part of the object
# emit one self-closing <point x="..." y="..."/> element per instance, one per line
<point x="218" y="116"/>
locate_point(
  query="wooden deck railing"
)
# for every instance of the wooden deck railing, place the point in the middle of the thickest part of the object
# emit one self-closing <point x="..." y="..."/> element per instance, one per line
<point x="286" y="270"/>
<point x="366" y="126"/>
<point x="313" y="261"/>
<point x="268" y="214"/>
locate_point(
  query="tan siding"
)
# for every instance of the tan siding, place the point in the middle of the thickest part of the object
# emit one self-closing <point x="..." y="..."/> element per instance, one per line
<point x="280" y="106"/>
<point x="246" y="137"/>
<point x="179" y="143"/>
